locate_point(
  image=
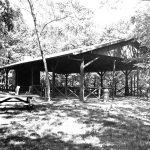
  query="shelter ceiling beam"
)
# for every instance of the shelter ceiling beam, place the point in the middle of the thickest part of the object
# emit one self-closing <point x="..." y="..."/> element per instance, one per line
<point x="85" y="65"/>
<point x="90" y="62"/>
<point x="126" y="72"/>
<point x="101" y="73"/>
<point x="111" y="50"/>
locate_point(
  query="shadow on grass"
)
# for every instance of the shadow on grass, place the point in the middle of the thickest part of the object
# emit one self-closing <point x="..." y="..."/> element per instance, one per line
<point x="12" y="110"/>
<point x="45" y="143"/>
<point x="113" y="131"/>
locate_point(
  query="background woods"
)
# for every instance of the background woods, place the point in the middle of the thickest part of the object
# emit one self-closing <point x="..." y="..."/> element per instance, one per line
<point x="71" y="24"/>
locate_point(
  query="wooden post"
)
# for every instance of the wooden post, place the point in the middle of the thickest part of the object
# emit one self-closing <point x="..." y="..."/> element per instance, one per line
<point x="72" y="80"/>
<point x="137" y="81"/>
<point x="115" y="88"/>
<point x="94" y="82"/>
<point x="126" y="83"/>
<point x="101" y="83"/>
<point x="82" y="80"/>
<point x="66" y="85"/>
<point x="131" y="84"/>
<point x="6" y="71"/>
<point x="134" y="80"/>
<point x="99" y="92"/>
<point x="53" y="82"/>
<point x="114" y="70"/>
<point x="101" y="74"/>
<point x="82" y="66"/>
<point x="137" y="74"/>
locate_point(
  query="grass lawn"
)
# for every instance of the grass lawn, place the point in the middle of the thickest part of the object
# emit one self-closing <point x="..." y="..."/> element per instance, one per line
<point x="123" y="124"/>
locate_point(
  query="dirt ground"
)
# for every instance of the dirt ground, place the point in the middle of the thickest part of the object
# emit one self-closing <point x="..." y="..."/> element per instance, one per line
<point x="68" y="124"/>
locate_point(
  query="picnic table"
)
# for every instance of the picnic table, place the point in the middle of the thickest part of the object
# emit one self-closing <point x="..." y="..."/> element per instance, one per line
<point x="26" y="98"/>
<point x="16" y="97"/>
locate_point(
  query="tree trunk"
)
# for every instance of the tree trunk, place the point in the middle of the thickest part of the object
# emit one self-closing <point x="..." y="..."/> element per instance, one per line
<point x="40" y="48"/>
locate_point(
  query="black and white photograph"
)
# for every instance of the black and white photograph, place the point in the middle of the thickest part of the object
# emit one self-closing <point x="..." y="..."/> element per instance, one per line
<point x="74" y="74"/>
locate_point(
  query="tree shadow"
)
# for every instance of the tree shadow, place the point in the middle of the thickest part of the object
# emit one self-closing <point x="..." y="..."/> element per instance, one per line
<point x="11" y="111"/>
<point x="112" y="131"/>
<point x="48" y="142"/>
<point x="120" y="132"/>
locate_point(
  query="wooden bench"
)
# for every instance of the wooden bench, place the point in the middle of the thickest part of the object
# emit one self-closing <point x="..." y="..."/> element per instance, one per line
<point x="16" y="92"/>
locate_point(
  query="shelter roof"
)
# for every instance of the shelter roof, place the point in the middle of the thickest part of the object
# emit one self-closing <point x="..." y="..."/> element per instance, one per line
<point x="69" y="61"/>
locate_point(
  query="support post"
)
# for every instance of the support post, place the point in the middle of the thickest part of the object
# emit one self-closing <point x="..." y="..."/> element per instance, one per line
<point x="115" y="87"/>
<point x="137" y="74"/>
<point x="126" y="73"/>
<point x="134" y="84"/>
<point x="82" y="66"/>
<point x="66" y="85"/>
<point x="114" y="70"/>
<point x="7" y="71"/>
<point x="137" y="81"/>
<point x="53" y="83"/>
<point x="99" y="92"/>
<point x="82" y="80"/>
<point x="101" y="74"/>
<point x="131" y="82"/>
<point x="102" y="83"/>
<point x="126" y="83"/>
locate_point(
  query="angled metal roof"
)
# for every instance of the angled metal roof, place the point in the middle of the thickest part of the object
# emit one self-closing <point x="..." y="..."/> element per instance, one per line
<point x="63" y="58"/>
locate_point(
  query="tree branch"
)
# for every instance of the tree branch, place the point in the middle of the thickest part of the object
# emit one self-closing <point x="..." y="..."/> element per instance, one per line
<point x="58" y="19"/>
<point x="21" y="7"/>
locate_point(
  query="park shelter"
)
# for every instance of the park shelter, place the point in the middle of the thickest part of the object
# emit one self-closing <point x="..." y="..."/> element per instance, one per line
<point x="110" y="56"/>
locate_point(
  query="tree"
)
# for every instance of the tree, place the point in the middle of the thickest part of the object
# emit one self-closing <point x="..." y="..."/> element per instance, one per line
<point x="72" y="31"/>
<point x="7" y="15"/>
<point x="21" y="41"/>
<point x="40" y="48"/>
<point x="141" y="22"/>
<point x="7" y="18"/>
